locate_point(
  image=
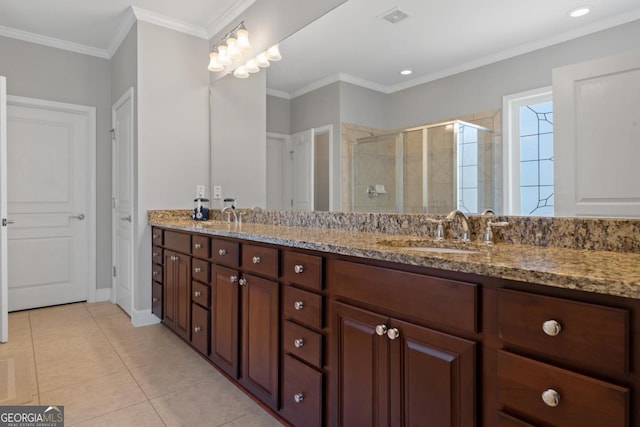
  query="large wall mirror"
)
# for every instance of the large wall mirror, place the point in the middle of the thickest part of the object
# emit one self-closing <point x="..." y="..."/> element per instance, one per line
<point x="346" y="130"/>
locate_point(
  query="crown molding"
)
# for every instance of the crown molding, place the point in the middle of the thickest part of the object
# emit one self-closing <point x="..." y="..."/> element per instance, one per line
<point x="53" y="42"/>
<point x="121" y="32"/>
<point x="279" y="93"/>
<point x="168" y="22"/>
<point x="228" y="16"/>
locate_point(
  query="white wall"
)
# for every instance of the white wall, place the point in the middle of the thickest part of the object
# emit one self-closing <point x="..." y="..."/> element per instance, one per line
<point x="238" y="139"/>
<point x="173" y="139"/>
<point x="43" y="72"/>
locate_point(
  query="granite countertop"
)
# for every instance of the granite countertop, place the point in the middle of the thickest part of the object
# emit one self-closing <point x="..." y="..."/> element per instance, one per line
<point x="611" y="273"/>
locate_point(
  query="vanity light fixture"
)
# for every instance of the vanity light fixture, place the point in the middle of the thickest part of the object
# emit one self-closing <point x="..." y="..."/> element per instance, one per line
<point x="261" y="61"/>
<point x="230" y="47"/>
<point x="579" y="11"/>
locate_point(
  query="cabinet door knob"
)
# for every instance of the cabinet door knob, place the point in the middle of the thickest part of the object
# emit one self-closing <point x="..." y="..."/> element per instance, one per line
<point x="196" y="329"/>
<point x="198" y="270"/>
<point x="155" y="254"/>
<point x="222" y="252"/>
<point x="299" y="342"/>
<point x="298" y="268"/>
<point x="256" y="260"/>
<point x="381" y="330"/>
<point x="155" y="273"/>
<point x="197" y="293"/>
<point x="174" y="258"/>
<point x="393" y="333"/>
<point x="198" y="246"/>
<point x="552" y="328"/>
<point x="155" y="300"/>
<point x="155" y="236"/>
<point x="242" y="282"/>
<point x="298" y="305"/>
<point x="233" y="279"/>
<point x="298" y="397"/>
<point x="551" y="398"/>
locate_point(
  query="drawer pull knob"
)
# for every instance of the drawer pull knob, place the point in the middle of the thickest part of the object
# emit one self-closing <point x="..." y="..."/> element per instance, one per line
<point x="155" y="254"/>
<point x="299" y="342"/>
<point x="155" y="300"/>
<point x="196" y="329"/>
<point x="551" y="398"/>
<point x="174" y="258"/>
<point x="242" y="282"/>
<point x="155" y="236"/>
<point x="298" y="397"/>
<point x="198" y="270"/>
<point x="381" y="330"/>
<point x="393" y="333"/>
<point x="298" y="268"/>
<point x="298" y="305"/>
<point x="233" y="279"/>
<point x="197" y="293"/>
<point x="256" y="260"/>
<point x="222" y="252"/>
<point x="551" y="328"/>
<point x="155" y="273"/>
<point x="198" y="246"/>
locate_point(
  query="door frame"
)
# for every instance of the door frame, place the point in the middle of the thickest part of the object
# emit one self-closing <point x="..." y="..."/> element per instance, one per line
<point x="4" y="276"/>
<point x="90" y="181"/>
<point x="128" y="96"/>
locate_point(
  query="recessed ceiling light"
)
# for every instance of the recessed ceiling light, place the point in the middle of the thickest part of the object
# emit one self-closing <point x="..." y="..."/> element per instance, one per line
<point x="579" y="11"/>
<point x="406" y="72"/>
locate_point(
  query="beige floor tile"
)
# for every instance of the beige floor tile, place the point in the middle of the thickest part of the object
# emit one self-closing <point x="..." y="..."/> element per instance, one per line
<point x="19" y="332"/>
<point x="138" y="353"/>
<point x="72" y="348"/>
<point x="99" y="309"/>
<point x="254" y="420"/>
<point x="140" y="415"/>
<point x="210" y="402"/>
<point x="95" y="398"/>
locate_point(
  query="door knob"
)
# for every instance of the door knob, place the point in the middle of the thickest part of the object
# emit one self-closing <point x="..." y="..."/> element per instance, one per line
<point x="79" y="216"/>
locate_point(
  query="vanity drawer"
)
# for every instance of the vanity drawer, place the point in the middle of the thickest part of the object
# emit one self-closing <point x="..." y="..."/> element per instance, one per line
<point x="200" y="270"/>
<point x="589" y="335"/>
<point x="505" y="420"/>
<point x="157" y="236"/>
<point x="302" y="269"/>
<point x="156" y="273"/>
<point x="303" y="307"/>
<point x="301" y="394"/>
<point x="156" y="299"/>
<point x="200" y="329"/>
<point x="582" y="401"/>
<point x="200" y="246"/>
<point x="225" y="252"/>
<point x="156" y="255"/>
<point x="434" y="300"/>
<point x="303" y="343"/>
<point x="261" y="260"/>
<point x="200" y="294"/>
<point x="179" y="242"/>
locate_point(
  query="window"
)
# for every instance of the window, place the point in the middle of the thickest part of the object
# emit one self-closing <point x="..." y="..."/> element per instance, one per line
<point x="528" y="153"/>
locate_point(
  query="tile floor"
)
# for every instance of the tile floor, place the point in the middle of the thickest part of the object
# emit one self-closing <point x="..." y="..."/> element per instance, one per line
<point x="89" y="358"/>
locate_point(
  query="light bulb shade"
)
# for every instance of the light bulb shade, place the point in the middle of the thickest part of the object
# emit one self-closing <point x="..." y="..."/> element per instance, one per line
<point x="273" y="53"/>
<point x="251" y="66"/>
<point x="241" y="72"/>
<point x="214" y="65"/>
<point x="232" y="48"/>
<point x="262" y="61"/>
<point x="243" y="39"/>
<point x="223" y="55"/>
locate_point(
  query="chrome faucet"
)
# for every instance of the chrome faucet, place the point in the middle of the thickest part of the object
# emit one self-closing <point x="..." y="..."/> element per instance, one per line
<point x="229" y="211"/>
<point x="488" y="228"/>
<point x="463" y="220"/>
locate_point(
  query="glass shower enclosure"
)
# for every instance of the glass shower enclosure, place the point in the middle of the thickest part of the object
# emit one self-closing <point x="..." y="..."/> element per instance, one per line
<point x="430" y="169"/>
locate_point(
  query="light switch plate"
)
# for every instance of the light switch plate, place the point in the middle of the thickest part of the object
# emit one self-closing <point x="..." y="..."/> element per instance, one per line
<point x="200" y="191"/>
<point x="217" y="192"/>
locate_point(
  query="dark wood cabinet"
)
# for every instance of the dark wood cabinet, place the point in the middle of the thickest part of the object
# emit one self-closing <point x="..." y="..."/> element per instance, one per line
<point x="177" y="292"/>
<point x="390" y="372"/>
<point x="225" y="319"/>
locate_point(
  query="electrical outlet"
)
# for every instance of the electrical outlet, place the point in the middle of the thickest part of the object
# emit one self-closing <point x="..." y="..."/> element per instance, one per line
<point x="200" y="191"/>
<point x="217" y="192"/>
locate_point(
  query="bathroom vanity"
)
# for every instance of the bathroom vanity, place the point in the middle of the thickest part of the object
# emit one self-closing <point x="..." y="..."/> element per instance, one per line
<point x="330" y="327"/>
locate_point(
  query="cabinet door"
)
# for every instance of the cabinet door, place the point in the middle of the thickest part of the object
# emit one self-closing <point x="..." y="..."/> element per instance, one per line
<point x="169" y="291"/>
<point x="361" y="370"/>
<point x="432" y="377"/>
<point x="260" y="338"/>
<point x="225" y="319"/>
<point x="183" y="295"/>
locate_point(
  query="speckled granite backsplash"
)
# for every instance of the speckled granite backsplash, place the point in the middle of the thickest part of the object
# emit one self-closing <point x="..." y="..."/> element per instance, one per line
<point x="621" y="235"/>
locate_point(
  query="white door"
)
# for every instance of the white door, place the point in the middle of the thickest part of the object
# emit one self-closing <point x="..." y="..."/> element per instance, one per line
<point x="597" y="112"/>
<point x="4" y="292"/>
<point x="303" y="173"/>
<point x="122" y="187"/>
<point x="276" y="150"/>
<point x="51" y="201"/>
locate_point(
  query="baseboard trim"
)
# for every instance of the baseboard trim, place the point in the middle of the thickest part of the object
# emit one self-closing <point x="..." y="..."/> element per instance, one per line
<point x="103" y="294"/>
<point x="143" y="318"/>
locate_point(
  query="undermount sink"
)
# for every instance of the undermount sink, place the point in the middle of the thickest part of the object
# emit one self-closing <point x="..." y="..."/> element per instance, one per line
<point x="432" y="246"/>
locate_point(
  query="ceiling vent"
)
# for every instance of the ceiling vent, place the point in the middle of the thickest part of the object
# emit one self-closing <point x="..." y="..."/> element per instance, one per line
<point x="394" y="16"/>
